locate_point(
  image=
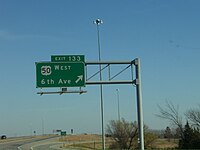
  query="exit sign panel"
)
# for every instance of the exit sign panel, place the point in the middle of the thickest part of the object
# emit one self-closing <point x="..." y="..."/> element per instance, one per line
<point x="60" y="74"/>
<point x="68" y="58"/>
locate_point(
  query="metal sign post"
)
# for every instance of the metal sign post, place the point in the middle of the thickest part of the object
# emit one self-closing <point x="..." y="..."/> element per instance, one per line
<point x="53" y="72"/>
<point x="111" y="80"/>
<point x="139" y="103"/>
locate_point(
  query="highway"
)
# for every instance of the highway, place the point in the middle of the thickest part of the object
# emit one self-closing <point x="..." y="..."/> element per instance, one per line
<point x="28" y="143"/>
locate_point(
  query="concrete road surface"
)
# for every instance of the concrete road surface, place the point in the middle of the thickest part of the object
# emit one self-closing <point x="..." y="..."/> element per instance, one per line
<point x="44" y="144"/>
<point x="18" y="143"/>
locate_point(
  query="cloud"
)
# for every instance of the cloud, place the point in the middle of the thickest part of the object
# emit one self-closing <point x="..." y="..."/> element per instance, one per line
<point x="6" y="35"/>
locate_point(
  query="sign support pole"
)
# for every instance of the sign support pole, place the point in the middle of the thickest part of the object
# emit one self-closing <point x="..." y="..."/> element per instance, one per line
<point x="139" y="103"/>
<point x="137" y="82"/>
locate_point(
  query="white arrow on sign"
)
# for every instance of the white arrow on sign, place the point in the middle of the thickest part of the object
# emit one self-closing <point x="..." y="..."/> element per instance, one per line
<point x="80" y="78"/>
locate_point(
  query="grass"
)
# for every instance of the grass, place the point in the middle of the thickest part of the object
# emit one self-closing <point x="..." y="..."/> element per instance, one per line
<point x="165" y="144"/>
<point x="84" y="141"/>
<point x="93" y="141"/>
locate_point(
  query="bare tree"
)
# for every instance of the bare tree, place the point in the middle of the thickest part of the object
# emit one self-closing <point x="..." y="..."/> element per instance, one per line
<point x="171" y="113"/>
<point x="193" y="115"/>
<point x="123" y="132"/>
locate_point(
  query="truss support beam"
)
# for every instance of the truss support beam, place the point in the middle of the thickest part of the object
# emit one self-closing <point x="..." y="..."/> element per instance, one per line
<point x="109" y="62"/>
<point x="110" y="82"/>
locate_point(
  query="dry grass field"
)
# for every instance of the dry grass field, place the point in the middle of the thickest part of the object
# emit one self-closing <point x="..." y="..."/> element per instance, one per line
<point x="93" y="141"/>
<point x="164" y="144"/>
<point x="81" y="137"/>
<point x="82" y="141"/>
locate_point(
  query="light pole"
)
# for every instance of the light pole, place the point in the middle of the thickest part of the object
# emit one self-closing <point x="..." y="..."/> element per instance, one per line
<point x="43" y="126"/>
<point x="118" y="104"/>
<point x="98" y="22"/>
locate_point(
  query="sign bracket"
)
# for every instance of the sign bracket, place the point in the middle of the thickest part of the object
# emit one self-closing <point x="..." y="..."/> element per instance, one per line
<point x="63" y="92"/>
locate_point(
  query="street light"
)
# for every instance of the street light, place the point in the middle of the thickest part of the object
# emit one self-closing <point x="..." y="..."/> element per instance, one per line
<point x="118" y="104"/>
<point x="98" y="22"/>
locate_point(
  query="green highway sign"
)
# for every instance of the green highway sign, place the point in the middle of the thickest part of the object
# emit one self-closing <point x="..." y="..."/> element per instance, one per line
<point x="63" y="133"/>
<point x="68" y="58"/>
<point x="60" y="74"/>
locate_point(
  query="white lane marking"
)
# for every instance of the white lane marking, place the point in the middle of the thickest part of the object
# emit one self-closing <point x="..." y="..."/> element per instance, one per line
<point x="19" y="148"/>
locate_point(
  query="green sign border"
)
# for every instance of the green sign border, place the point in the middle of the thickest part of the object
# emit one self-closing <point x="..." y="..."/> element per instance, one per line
<point x="60" y="74"/>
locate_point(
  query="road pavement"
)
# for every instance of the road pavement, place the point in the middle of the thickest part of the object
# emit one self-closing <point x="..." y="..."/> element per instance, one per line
<point x="18" y="143"/>
<point x="38" y="143"/>
<point x="44" y="144"/>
